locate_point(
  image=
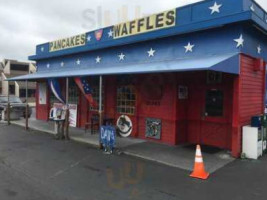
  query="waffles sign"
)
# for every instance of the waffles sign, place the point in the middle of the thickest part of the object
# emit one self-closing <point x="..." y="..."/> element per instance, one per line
<point x="66" y="43"/>
<point x="155" y="22"/>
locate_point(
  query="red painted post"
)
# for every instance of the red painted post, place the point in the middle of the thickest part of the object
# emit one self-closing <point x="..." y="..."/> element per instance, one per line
<point x="236" y="129"/>
<point x="100" y="107"/>
<point x="264" y="84"/>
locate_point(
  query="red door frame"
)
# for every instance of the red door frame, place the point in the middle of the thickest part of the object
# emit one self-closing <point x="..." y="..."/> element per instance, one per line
<point x="210" y="124"/>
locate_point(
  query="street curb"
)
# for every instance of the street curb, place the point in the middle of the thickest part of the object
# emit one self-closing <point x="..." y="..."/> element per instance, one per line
<point x="34" y="129"/>
<point x="77" y="140"/>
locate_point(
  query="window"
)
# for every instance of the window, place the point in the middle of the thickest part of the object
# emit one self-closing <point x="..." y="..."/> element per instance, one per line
<point x="73" y="92"/>
<point x="53" y="99"/>
<point x="214" y="103"/>
<point x="126" y="99"/>
<point x="22" y="93"/>
<point x="18" y="67"/>
<point x="12" y="89"/>
<point x="94" y="84"/>
<point x="95" y="94"/>
<point x="31" y="92"/>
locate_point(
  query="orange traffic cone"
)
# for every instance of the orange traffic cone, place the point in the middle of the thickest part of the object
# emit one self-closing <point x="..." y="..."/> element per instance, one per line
<point x="199" y="169"/>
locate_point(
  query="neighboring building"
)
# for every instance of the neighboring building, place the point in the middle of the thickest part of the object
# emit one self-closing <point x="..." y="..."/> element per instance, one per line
<point x="195" y="74"/>
<point x="13" y="68"/>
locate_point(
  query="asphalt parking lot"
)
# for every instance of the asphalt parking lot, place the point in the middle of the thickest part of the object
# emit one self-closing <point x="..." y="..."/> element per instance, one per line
<point x="35" y="166"/>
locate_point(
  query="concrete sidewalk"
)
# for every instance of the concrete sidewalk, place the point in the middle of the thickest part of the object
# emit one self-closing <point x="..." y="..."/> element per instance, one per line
<point x="76" y="134"/>
<point x="175" y="156"/>
<point x="181" y="156"/>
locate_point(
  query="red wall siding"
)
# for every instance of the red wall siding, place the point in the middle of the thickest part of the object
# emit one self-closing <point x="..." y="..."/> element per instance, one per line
<point x="251" y="91"/>
<point x="110" y="96"/>
<point x="166" y="110"/>
<point x="249" y="97"/>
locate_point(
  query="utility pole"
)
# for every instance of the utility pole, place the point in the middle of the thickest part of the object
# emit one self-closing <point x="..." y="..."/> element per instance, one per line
<point x="8" y="105"/>
<point x="67" y="110"/>
<point x="27" y="108"/>
<point x="100" y="107"/>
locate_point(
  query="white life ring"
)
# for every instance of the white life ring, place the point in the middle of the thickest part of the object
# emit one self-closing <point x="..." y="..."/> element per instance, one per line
<point x="125" y="126"/>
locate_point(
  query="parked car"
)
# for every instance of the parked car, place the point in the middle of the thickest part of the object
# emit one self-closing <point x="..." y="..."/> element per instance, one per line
<point x="17" y="108"/>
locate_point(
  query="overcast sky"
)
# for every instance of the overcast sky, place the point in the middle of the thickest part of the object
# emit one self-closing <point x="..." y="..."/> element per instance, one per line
<point x="26" y="23"/>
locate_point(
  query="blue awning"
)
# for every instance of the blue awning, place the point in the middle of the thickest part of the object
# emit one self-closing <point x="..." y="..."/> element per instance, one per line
<point x="228" y="63"/>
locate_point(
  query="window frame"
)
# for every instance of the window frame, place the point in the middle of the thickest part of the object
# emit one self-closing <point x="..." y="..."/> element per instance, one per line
<point x="95" y="96"/>
<point x="134" y="107"/>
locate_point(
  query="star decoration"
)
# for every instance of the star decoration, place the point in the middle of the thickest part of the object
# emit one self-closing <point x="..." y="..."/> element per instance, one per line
<point x="110" y="33"/>
<point x="42" y="49"/>
<point x="189" y="47"/>
<point x="78" y="62"/>
<point x="151" y="52"/>
<point x="62" y="64"/>
<point x="215" y="8"/>
<point x="240" y="41"/>
<point x="98" y="59"/>
<point x="86" y="86"/>
<point x="89" y="38"/>
<point x="48" y="65"/>
<point x="121" y="56"/>
<point x="252" y="8"/>
<point x="259" y="49"/>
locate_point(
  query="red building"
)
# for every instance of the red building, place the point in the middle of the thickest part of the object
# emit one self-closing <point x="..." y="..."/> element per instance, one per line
<point x="197" y="73"/>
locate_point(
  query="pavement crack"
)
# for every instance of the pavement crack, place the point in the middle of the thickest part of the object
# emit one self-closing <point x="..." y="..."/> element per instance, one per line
<point x="166" y="193"/>
<point x="92" y="168"/>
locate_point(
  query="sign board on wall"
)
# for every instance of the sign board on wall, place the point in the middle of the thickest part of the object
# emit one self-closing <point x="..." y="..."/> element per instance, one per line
<point x="73" y="108"/>
<point x="42" y="93"/>
<point x="154" y="22"/>
<point x="66" y="43"/>
<point x="153" y="128"/>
